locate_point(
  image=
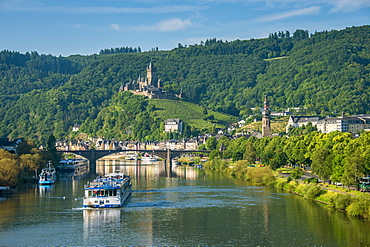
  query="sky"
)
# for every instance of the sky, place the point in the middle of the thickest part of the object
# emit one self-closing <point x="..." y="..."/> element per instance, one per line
<point x="86" y="26"/>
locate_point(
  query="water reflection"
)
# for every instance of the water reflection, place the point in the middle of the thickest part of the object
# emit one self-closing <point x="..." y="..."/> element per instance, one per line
<point x="96" y="217"/>
<point x="45" y="190"/>
<point x="149" y="170"/>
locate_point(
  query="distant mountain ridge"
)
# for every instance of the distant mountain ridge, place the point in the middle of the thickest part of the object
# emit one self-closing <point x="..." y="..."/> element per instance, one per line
<point x="326" y="72"/>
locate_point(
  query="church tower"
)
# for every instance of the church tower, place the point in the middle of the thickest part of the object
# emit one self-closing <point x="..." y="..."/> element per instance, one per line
<point x="266" y="119"/>
<point x="151" y="75"/>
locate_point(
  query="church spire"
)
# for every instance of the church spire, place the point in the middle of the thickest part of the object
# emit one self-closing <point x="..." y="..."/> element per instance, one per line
<point x="266" y="127"/>
<point x="265" y="104"/>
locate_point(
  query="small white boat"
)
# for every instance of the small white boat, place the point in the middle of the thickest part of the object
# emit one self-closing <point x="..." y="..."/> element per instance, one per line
<point x="48" y="175"/>
<point x="109" y="191"/>
<point x="148" y="157"/>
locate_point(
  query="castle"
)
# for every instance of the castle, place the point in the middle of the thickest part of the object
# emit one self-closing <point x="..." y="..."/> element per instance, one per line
<point x="149" y="86"/>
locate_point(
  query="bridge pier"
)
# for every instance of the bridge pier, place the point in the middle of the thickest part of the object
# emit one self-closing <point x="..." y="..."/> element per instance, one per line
<point x="168" y="163"/>
<point x="168" y="157"/>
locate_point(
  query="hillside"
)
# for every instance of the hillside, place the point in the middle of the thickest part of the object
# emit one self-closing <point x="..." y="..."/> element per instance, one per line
<point x="127" y="115"/>
<point x="190" y="113"/>
<point x="327" y="72"/>
<point x="278" y="125"/>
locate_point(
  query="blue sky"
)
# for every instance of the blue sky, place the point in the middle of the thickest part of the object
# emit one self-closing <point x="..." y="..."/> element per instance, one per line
<point x="87" y="26"/>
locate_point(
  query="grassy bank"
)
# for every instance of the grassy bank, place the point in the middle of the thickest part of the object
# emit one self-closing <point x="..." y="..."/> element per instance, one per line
<point x="354" y="204"/>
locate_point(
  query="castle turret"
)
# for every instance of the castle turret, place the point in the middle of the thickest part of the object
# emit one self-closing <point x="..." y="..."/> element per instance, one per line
<point x="266" y="119"/>
<point x="151" y="74"/>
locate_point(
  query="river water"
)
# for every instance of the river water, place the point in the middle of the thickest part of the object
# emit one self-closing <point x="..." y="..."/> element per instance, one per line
<point x="185" y="207"/>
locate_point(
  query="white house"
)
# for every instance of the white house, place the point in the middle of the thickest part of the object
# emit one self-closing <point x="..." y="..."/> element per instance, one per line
<point x="299" y="121"/>
<point x="173" y="125"/>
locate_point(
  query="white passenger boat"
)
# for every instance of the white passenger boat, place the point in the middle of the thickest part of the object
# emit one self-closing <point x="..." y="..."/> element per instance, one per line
<point x="48" y="175"/>
<point x="108" y="191"/>
<point x="73" y="165"/>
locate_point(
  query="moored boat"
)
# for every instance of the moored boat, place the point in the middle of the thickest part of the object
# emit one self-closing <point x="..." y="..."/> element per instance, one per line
<point x="148" y="157"/>
<point x="48" y="175"/>
<point x="73" y="165"/>
<point x="108" y="191"/>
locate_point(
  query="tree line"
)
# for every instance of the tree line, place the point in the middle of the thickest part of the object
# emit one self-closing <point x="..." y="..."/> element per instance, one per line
<point x="334" y="157"/>
<point x="119" y="50"/>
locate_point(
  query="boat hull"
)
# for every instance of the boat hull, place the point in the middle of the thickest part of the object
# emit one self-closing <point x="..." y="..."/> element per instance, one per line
<point x="46" y="182"/>
<point x="107" y="202"/>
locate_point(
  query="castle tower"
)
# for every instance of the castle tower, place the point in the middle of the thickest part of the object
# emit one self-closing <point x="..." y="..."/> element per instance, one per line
<point x="151" y="74"/>
<point x="266" y="119"/>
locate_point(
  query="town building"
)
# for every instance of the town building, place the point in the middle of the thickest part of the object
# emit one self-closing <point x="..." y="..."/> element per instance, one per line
<point x="174" y="125"/>
<point x="76" y="127"/>
<point x="299" y="121"/>
<point x="352" y="124"/>
<point x="10" y="146"/>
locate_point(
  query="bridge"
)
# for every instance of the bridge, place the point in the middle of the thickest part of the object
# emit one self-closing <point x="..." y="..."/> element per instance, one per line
<point x="168" y="154"/>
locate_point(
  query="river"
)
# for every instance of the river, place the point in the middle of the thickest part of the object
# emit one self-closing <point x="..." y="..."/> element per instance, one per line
<point x="184" y="207"/>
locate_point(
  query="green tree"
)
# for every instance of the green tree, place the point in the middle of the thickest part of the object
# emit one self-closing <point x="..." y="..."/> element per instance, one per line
<point x="30" y="162"/>
<point x="211" y="143"/>
<point x="296" y="173"/>
<point x="322" y="163"/>
<point x="9" y="171"/>
<point x="250" y="153"/>
<point x="354" y="169"/>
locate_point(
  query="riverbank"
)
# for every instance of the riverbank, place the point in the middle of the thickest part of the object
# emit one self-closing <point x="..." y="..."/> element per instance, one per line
<point x="354" y="203"/>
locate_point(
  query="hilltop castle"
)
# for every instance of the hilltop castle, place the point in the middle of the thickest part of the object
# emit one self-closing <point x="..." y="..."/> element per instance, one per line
<point x="149" y="86"/>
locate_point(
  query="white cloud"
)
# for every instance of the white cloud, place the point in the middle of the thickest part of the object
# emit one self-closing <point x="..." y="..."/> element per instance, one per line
<point x="37" y="6"/>
<point x="305" y="11"/>
<point x="349" y="5"/>
<point x="115" y="27"/>
<point x="169" y="25"/>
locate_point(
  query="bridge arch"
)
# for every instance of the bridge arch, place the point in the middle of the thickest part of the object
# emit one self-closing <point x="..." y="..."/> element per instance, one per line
<point x="168" y="154"/>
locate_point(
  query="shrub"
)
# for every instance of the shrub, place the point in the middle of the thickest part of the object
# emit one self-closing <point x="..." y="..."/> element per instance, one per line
<point x="268" y="179"/>
<point x="313" y="191"/>
<point x="240" y="167"/>
<point x="260" y="175"/>
<point x="361" y="207"/>
<point x="224" y="165"/>
<point x="301" y="189"/>
<point x="328" y="197"/>
<point x="290" y="186"/>
<point x="280" y="184"/>
<point x="342" y="201"/>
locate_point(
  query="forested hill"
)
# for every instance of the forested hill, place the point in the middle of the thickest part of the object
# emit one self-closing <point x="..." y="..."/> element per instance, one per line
<point x="328" y="72"/>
